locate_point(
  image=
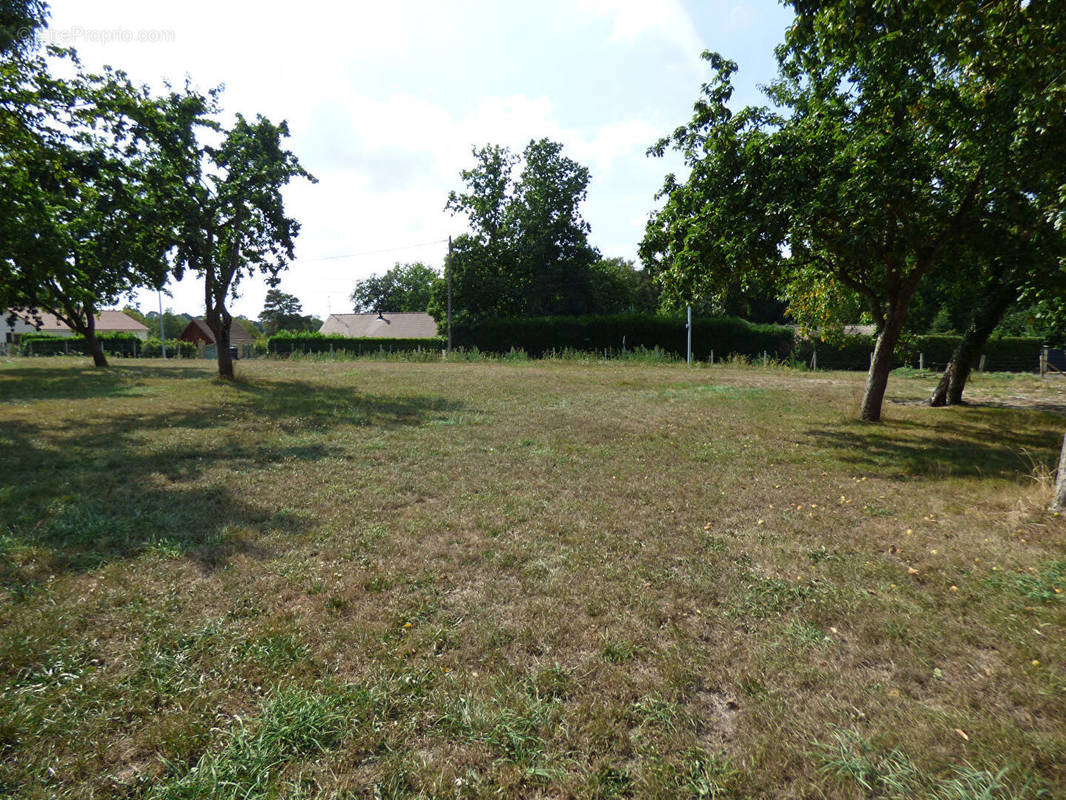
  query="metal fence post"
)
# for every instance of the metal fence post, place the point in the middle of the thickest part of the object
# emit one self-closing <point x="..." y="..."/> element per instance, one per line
<point x="688" y="329"/>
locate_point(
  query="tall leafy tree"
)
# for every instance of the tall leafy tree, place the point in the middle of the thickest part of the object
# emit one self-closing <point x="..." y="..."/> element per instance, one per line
<point x="93" y="173"/>
<point x="1010" y="58"/>
<point x="617" y="286"/>
<point x="898" y="131"/>
<point x="528" y="251"/>
<point x="173" y="323"/>
<point x="405" y="287"/>
<point x="284" y="312"/>
<point x="235" y="222"/>
<point x="551" y="248"/>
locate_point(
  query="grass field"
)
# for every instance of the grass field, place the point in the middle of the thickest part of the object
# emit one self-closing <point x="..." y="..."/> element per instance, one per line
<point x="377" y="579"/>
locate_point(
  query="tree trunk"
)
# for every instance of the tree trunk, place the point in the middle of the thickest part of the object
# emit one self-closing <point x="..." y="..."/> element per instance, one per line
<point x="1058" y="499"/>
<point x="96" y="350"/>
<point x="216" y="287"/>
<point x="985" y="319"/>
<point x="225" y="362"/>
<point x="877" y="377"/>
<point x="218" y="319"/>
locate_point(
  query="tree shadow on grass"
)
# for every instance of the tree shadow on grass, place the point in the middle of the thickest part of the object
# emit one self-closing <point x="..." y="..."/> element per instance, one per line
<point x="29" y="383"/>
<point x="974" y="443"/>
<point x="83" y="533"/>
<point x="69" y="514"/>
<point x="311" y="406"/>
<point x="101" y="487"/>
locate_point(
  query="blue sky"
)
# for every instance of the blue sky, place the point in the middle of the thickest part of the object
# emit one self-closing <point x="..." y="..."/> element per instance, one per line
<point x="386" y="100"/>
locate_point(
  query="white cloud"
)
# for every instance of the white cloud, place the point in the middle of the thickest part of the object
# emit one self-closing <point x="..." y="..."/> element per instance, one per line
<point x="616" y="141"/>
<point x="633" y="19"/>
<point x="741" y="16"/>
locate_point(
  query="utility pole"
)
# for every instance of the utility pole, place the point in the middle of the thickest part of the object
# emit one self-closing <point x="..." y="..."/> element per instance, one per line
<point x="448" y="269"/>
<point x="162" y="330"/>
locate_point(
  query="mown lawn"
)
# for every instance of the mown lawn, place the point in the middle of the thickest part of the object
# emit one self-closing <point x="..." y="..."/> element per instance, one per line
<point x="381" y="579"/>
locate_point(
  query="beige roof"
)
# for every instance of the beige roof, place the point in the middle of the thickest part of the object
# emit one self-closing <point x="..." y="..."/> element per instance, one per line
<point x="106" y="321"/>
<point x="49" y="321"/>
<point x="197" y="331"/>
<point x="118" y="321"/>
<point x="407" y="325"/>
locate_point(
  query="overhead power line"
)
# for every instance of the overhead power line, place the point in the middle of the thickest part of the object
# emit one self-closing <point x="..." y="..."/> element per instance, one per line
<point x="376" y="252"/>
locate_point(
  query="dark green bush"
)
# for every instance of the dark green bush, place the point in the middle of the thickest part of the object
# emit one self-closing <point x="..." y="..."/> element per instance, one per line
<point x="1003" y="354"/>
<point x="152" y="348"/>
<point x="46" y="344"/>
<point x="539" y="336"/>
<point x="851" y="352"/>
<point x="287" y="342"/>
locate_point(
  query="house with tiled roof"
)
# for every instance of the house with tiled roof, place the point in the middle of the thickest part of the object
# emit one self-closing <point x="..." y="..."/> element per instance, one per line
<point x="120" y="322"/>
<point x="198" y="331"/>
<point x="403" y="325"/>
<point x="16" y="323"/>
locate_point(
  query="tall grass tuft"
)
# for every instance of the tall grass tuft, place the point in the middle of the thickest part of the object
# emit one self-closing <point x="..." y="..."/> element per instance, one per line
<point x="294" y="724"/>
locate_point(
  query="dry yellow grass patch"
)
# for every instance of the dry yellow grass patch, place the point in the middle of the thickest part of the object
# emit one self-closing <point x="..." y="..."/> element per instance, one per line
<point x="540" y="579"/>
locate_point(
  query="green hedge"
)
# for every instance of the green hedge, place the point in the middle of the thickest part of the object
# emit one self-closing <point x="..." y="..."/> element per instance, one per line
<point x="851" y="353"/>
<point x="121" y="344"/>
<point x="538" y="336"/>
<point x="175" y="348"/>
<point x="725" y="336"/>
<point x="46" y="344"/>
<point x="1002" y="354"/>
<point x="286" y="343"/>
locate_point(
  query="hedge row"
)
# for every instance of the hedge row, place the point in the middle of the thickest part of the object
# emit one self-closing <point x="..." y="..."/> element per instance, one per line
<point x="47" y="344"/>
<point x="286" y="343"/>
<point x="723" y="336"/>
<point x="175" y="348"/>
<point x="121" y="344"/>
<point x="1005" y="354"/>
<point x="614" y="333"/>
<point x="1002" y="354"/>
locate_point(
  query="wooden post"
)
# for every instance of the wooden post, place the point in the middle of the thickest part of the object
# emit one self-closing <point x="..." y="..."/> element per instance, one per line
<point x="814" y="358"/>
<point x="981" y="365"/>
<point x="921" y="361"/>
